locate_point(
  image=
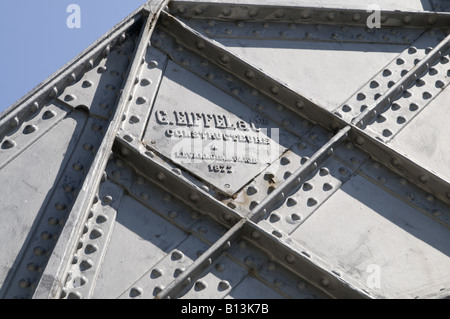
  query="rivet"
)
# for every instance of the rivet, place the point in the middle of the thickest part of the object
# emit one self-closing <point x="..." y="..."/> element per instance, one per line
<point x="107" y="199"/>
<point x="251" y="190"/>
<point x="88" y="147"/>
<point x="226" y="11"/>
<point x="224" y="58"/>
<point x="101" y="219"/>
<point x="46" y="235"/>
<point x="250" y="74"/>
<point x="96" y="127"/>
<point x="77" y="166"/>
<point x="278" y="283"/>
<point x="30" y="129"/>
<point x="301" y="145"/>
<point x="95" y="233"/>
<point x="87" y="84"/>
<point x="74" y="295"/>
<point x="60" y="206"/>
<point x="279" y="14"/>
<point x="290" y="259"/>
<point x="48" y="115"/>
<point x="356" y="17"/>
<point x="299" y="105"/>
<point x="14" y="122"/>
<point x="178" y="272"/>
<point x="53" y="221"/>
<point x="167" y="197"/>
<point x="253" y="13"/>
<point x="39" y="251"/>
<point x="181" y="9"/>
<point x="32" y="267"/>
<point x="173" y="214"/>
<point x="325" y="282"/>
<point x="360" y="140"/>
<point x="8" y="144"/>
<point x="160" y="176"/>
<point x="90" y="64"/>
<point x="86" y="264"/>
<point x="324" y="171"/>
<point x="436" y="212"/>
<point x="223" y="285"/>
<point x="395" y="162"/>
<point x="271" y="265"/>
<point x="256" y="234"/>
<point x="274" y="217"/>
<point x="220" y="267"/>
<point x="90" y="249"/>
<point x="176" y="255"/>
<point x="198" y="11"/>
<point x="200" y="45"/>
<point x="152" y="64"/>
<point x="227" y="216"/>
<point x="301" y="285"/>
<point x="422" y="179"/>
<point x="243" y="244"/>
<point x="274" y="89"/>
<point x="311" y="202"/>
<point x="24" y="283"/>
<point x="155" y="273"/>
<point x="54" y="92"/>
<point x="134" y="292"/>
<point x="144" y="196"/>
<point x="122" y="37"/>
<point x="306" y="14"/>
<point x="200" y="285"/>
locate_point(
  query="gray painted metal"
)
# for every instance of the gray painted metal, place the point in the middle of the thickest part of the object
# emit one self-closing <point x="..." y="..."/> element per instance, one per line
<point x="203" y="149"/>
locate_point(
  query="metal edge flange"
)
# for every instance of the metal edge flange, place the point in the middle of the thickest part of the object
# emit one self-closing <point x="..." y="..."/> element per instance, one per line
<point x="273" y="11"/>
<point x="168" y="178"/>
<point x="301" y="262"/>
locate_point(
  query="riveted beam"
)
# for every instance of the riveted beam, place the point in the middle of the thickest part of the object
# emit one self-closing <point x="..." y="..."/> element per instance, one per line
<point x="272" y="11"/>
<point x="363" y="119"/>
<point x="298" y="176"/>
<point x="170" y="178"/>
<point x="54" y="275"/>
<point x="424" y="178"/>
<point x="306" y="265"/>
<point x="202" y="262"/>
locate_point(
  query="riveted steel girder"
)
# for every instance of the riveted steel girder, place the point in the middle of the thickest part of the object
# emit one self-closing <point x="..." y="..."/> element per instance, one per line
<point x="172" y="160"/>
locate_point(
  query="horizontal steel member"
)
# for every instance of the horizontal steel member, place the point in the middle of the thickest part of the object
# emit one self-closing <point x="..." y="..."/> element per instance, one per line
<point x="307" y="266"/>
<point x="274" y="12"/>
<point x="255" y="77"/>
<point x="166" y="178"/>
<point x="294" y="180"/>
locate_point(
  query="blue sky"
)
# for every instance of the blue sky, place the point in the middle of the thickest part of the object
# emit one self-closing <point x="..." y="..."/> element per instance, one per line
<point x="36" y="41"/>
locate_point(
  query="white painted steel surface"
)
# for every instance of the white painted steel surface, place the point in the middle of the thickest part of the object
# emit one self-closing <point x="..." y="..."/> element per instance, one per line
<point x="212" y="149"/>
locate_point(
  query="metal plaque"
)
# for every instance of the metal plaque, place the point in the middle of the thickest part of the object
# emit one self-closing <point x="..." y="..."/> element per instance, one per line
<point x="210" y="133"/>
